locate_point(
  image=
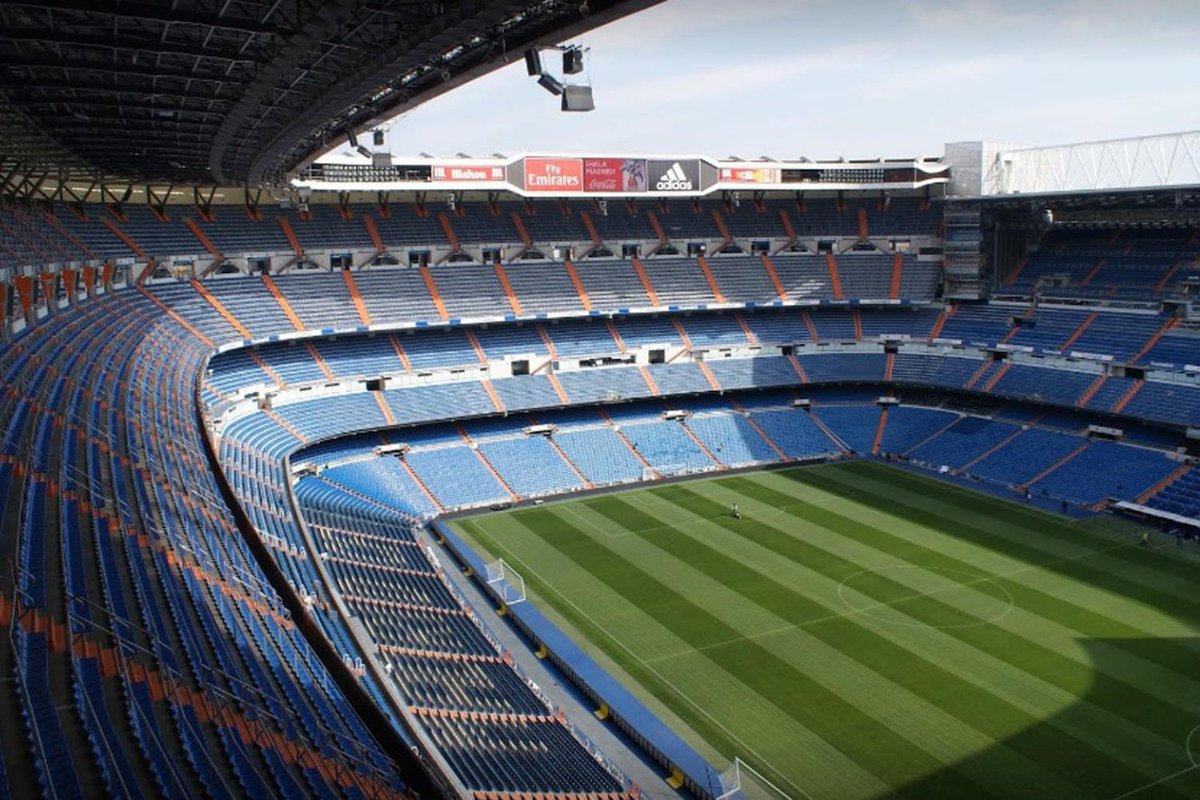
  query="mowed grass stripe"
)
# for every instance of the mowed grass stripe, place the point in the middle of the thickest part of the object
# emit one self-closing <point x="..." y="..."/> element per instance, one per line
<point x="698" y="705"/>
<point x="788" y="753"/>
<point x="869" y="743"/>
<point x="1027" y="599"/>
<point x="1144" y="575"/>
<point x="506" y="536"/>
<point x="1162" y="623"/>
<point x="1179" y="700"/>
<point x="930" y="702"/>
<point x="777" y="739"/>
<point x="1063" y="602"/>
<point x="1102" y="657"/>
<point x="1101" y="612"/>
<point x="1072" y="754"/>
<point x="1140" y="565"/>
<point x="973" y="528"/>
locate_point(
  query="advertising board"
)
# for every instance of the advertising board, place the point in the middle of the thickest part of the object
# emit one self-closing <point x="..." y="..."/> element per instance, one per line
<point x="614" y="175"/>
<point x="682" y="175"/>
<point x="462" y="173"/>
<point x="749" y="175"/>
<point x="554" y="174"/>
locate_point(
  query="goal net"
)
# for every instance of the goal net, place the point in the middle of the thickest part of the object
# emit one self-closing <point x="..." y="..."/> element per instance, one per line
<point x="508" y="585"/>
<point x="743" y="782"/>
<point x="665" y="471"/>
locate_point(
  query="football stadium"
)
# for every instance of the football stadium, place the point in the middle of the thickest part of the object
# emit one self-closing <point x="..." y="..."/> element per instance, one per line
<point x="331" y="472"/>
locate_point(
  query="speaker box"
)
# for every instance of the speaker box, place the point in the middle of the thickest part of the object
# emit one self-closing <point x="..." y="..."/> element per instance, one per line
<point x="551" y="84"/>
<point x="533" y="62"/>
<point x="572" y="61"/>
<point x="578" y="98"/>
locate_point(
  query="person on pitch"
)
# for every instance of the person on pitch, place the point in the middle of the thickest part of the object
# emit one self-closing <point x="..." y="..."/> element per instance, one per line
<point x="735" y="512"/>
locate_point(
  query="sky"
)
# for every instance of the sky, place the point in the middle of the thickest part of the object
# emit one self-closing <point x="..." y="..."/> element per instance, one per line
<point x="830" y="78"/>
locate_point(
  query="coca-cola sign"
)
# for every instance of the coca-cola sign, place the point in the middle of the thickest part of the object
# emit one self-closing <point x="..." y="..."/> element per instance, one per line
<point x="614" y="175"/>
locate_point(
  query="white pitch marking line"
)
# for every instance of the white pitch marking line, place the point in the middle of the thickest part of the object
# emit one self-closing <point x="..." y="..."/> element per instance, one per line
<point x="915" y="624"/>
<point x="852" y="611"/>
<point x="660" y="676"/>
<point x="593" y="525"/>
<point x="1187" y="749"/>
<point x="1172" y="776"/>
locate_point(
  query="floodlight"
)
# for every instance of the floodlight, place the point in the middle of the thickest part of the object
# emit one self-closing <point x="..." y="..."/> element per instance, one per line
<point x="550" y="83"/>
<point x="572" y="60"/>
<point x="578" y="98"/>
<point x="533" y="63"/>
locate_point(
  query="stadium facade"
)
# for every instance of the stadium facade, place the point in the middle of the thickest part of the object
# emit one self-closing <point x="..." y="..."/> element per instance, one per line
<point x="328" y="373"/>
<point x="232" y="416"/>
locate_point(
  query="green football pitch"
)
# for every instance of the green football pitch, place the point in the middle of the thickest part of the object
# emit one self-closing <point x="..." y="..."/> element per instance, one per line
<point x="863" y="631"/>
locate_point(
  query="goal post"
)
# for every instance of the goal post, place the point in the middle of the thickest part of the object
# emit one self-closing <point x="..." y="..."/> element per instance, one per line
<point x="742" y="782"/>
<point x="505" y="581"/>
<point x="665" y="471"/>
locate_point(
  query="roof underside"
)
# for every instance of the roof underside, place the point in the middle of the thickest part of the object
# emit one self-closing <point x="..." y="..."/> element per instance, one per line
<point x="241" y="91"/>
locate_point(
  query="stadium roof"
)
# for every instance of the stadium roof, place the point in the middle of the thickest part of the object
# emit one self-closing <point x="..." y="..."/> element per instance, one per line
<point x="241" y="91"/>
<point x="1156" y="162"/>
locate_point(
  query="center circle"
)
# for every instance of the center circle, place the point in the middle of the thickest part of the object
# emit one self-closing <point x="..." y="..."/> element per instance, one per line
<point x="944" y="598"/>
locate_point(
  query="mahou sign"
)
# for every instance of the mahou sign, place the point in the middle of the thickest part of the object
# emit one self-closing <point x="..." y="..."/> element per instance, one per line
<point x="554" y="174"/>
<point x="467" y="172"/>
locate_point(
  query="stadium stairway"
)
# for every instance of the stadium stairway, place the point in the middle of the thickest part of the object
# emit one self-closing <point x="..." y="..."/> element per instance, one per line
<point x="1091" y="391"/>
<point x="288" y="311"/>
<point x="834" y="278"/>
<point x="1057" y="465"/>
<point x="177" y="591"/>
<point x="364" y="315"/>
<point x="1125" y="399"/>
<point x="85" y="465"/>
<point x="432" y="288"/>
<point x="1179" y="472"/>
<point x="644" y="279"/>
<point x="883" y="418"/>
<point x="577" y="284"/>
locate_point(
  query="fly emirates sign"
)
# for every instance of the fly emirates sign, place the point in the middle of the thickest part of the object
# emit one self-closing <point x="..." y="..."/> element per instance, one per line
<point x="554" y="174"/>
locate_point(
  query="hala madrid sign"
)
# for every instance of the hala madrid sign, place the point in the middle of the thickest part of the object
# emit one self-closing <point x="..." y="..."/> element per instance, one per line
<point x="610" y="175"/>
<point x="632" y="176"/>
<point x="614" y="175"/>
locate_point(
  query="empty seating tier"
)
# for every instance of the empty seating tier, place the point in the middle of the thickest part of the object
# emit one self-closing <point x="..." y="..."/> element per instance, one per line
<point x="157" y="641"/>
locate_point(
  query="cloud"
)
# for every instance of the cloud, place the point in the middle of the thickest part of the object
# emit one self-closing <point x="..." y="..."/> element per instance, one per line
<point x="1063" y="24"/>
<point x="739" y="80"/>
<point x="825" y="78"/>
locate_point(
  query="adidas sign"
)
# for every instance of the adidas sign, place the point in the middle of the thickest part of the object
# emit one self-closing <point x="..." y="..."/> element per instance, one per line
<point x="674" y="180"/>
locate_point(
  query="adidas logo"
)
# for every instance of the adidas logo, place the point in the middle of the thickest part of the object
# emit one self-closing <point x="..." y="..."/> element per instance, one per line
<point x="674" y="180"/>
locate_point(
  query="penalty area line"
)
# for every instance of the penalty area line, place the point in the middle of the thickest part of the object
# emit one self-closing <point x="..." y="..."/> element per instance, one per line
<point x="1170" y="777"/>
<point x="666" y="681"/>
<point x="851" y="611"/>
<point x="1187" y="749"/>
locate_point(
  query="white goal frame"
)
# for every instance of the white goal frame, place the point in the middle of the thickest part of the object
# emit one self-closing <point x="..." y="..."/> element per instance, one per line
<point x="505" y="581"/>
<point x="665" y="471"/>
<point x="743" y="782"/>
